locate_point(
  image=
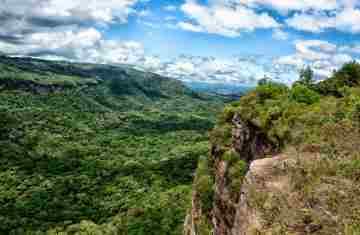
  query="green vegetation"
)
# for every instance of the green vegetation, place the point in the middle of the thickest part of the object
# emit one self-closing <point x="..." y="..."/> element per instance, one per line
<point x="317" y="126"/>
<point x="306" y="77"/>
<point x="303" y="94"/>
<point x="236" y="172"/>
<point x="114" y="153"/>
<point x="204" y="185"/>
<point x="347" y="76"/>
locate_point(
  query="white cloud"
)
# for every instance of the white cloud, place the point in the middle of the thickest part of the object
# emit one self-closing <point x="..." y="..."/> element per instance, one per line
<point x="352" y="49"/>
<point x="314" y="49"/>
<point x="190" y="27"/>
<point x="348" y="20"/>
<point x="85" y="45"/>
<point x="288" y="5"/>
<point x="66" y="29"/>
<point x="344" y="19"/>
<point x="225" y="20"/>
<point x="295" y="60"/>
<point x="340" y="59"/>
<point x="278" y="34"/>
<point x="237" y="70"/>
<point x="315" y="23"/>
<point x="71" y="10"/>
<point x="323" y="56"/>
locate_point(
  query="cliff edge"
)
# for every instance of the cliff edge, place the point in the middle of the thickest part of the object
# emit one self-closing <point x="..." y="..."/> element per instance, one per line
<point x="279" y="165"/>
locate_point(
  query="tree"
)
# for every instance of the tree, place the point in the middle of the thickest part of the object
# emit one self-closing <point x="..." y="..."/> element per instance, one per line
<point x="306" y="77"/>
<point x="6" y="124"/>
<point x="347" y="76"/>
<point x="264" y="80"/>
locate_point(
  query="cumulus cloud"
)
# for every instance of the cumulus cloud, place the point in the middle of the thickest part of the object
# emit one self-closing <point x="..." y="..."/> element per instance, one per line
<point x="236" y="71"/>
<point x="323" y="56"/>
<point x="22" y="21"/>
<point x="315" y="23"/>
<point x="60" y="12"/>
<point x="306" y="15"/>
<point x="344" y="18"/>
<point x="222" y="19"/>
<point x="66" y="29"/>
<point x="289" y="5"/>
<point x="86" y="45"/>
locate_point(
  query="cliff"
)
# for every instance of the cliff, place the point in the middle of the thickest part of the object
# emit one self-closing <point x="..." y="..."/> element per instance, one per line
<point x="280" y="166"/>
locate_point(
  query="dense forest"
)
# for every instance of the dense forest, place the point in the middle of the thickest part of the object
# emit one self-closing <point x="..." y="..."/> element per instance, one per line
<point x="97" y="149"/>
<point x="100" y="149"/>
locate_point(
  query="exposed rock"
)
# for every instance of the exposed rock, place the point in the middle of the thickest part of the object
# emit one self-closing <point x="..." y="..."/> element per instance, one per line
<point x="249" y="144"/>
<point x="248" y="140"/>
<point x="262" y="177"/>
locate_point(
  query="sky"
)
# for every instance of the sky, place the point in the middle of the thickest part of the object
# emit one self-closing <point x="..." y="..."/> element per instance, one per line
<point x="209" y="41"/>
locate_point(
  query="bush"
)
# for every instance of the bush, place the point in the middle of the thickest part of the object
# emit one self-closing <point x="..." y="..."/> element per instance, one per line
<point x="347" y="76"/>
<point x="236" y="174"/>
<point x="271" y="90"/>
<point x="204" y="185"/>
<point x="303" y="94"/>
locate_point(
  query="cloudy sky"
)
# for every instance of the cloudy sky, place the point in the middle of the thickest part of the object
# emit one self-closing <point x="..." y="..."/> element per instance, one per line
<point x="217" y="41"/>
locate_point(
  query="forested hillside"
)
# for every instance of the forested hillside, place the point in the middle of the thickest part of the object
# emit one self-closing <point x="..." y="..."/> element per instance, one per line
<point x="97" y="149"/>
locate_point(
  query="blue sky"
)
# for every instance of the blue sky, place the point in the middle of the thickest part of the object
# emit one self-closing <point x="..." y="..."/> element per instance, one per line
<point x="211" y="41"/>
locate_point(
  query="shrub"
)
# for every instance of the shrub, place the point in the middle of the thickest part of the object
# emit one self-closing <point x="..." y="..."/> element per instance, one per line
<point x="221" y="135"/>
<point x="347" y="76"/>
<point x="303" y="94"/>
<point x="204" y="185"/>
<point x="271" y="90"/>
<point x="231" y="156"/>
<point x="236" y="174"/>
<point x="228" y="114"/>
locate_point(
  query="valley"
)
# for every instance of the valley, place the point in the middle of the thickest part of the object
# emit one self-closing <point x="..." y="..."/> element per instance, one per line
<point x="97" y="149"/>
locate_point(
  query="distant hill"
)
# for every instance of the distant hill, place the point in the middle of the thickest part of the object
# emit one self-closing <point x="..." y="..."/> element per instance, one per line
<point x="93" y="149"/>
<point x="235" y="90"/>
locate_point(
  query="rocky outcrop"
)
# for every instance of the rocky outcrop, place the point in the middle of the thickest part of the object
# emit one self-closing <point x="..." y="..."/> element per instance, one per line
<point x="291" y="192"/>
<point x="248" y="144"/>
<point x="264" y="177"/>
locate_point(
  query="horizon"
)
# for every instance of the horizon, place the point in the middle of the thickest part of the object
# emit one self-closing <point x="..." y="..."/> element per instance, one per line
<point x="229" y="39"/>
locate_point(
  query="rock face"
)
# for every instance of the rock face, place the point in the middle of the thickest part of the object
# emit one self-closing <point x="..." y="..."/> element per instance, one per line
<point x="278" y="193"/>
<point x="262" y="177"/>
<point x="249" y="144"/>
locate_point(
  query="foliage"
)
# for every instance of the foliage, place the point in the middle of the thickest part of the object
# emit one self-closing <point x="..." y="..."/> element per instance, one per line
<point x="265" y="80"/>
<point x="347" y="76"/>
<point x="93" y="159"/>
<point x="204" y="185"/>
<point x="319" y="135"/>
<point x="270" y="90"/>
<point x="306" y="77"/>
<point x="303" y="94"/>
